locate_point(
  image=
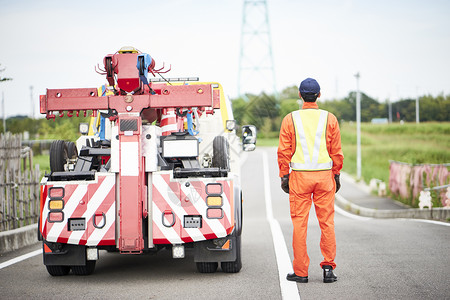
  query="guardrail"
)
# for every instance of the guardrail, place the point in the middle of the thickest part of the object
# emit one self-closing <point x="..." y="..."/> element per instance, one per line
<point x="19" y="184"/>
<point x="408" y="181"/>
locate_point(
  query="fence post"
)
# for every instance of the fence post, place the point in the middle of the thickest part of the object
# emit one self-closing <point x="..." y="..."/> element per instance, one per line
<point x="2" y="184"/>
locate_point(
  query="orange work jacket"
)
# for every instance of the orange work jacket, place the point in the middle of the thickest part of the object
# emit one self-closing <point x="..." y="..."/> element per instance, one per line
<point x="287" y="144"/>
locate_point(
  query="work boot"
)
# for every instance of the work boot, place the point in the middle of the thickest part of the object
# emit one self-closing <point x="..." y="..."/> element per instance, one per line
<point x="294" y="277"/>
<point x="328" y="275"/>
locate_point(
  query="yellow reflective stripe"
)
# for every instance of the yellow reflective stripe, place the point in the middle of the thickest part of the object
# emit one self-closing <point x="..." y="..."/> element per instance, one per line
<point x="311" y="166"/>
<point x="319" y="135"/>
<point x="323" y="151"/>
<point x="300" y="137"/>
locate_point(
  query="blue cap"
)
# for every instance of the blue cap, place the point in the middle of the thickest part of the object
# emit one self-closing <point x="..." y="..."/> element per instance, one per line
<point x="309" y="86"/>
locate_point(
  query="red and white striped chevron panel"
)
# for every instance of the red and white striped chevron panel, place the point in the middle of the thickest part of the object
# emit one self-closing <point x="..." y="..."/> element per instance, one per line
<point x="92" y="201"/>
<point x="173" y="199"/>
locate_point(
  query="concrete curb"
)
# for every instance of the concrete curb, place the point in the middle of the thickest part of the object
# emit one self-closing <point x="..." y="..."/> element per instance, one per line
<point x="438" y="213"/>
<point x="18" y="238"/>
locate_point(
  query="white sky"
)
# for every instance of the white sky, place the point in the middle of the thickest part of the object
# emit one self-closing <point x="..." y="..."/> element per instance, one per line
<point x="401" y="48"/>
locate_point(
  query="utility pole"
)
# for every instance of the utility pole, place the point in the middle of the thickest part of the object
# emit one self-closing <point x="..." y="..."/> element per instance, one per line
<point x="390" y="111"/>
<point x="3" y="111"/>
<point x="32" y="103"/>
<point x="417" y="106"/>
<point x="256" y="67"/>
<point x="358" y="128"/>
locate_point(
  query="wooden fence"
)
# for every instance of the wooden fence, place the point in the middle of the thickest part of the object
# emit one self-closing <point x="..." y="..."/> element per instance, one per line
<point x="19" y="184"/>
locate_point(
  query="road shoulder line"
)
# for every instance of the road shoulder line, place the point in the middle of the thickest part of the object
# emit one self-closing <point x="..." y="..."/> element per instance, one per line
<point x="20" y="258"/>
<point x="349" y="209"/>
<point x="289" y="289"/>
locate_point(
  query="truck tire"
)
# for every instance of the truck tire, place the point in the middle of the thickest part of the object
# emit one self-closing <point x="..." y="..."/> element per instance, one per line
<point x="58" y="270"/>
<point x="87" y="269"/>
<point x="234" y="266"/>
<point x="220" y="157"/>
<point x="39" y="234"/>
<point x="72" y="150"/>
<point x="58" y="155"/>
<point x="207" y="267"/>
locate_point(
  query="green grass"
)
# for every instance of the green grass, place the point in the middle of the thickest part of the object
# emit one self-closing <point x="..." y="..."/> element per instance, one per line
<point x="261" y="142"/>
<point x="44" y="163"/>
<point x="410" y="143"/>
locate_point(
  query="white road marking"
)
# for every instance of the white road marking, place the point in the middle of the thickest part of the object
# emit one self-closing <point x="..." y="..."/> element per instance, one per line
<point x="360" y="218"/>
<point x="428" y="221"/>
<point x="20" y="258"/>
<point x="347" y="214"/>
<point x="289" y="289"/>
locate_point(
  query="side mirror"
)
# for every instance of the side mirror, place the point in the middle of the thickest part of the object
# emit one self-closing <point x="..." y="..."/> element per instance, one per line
<point x="248" y="137"/>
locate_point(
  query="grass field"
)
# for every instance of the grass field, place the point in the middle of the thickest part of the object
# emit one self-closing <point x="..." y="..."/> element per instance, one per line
<point x="411" y="143"/>
<point x="44" y="163"/>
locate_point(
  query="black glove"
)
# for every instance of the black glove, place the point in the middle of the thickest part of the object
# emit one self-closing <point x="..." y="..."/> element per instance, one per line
<point x="338" y="182"/>
<point x="285" y="183"/>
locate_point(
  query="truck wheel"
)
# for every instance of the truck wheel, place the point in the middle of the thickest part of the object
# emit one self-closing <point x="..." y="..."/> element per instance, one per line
<point x="58" y="155"/>
<point x="58" y="270"/>
<point x="88" y="269"/>
<point x="207" y="267"/>
<point x="39" y="234"/>
<point x="72" y="151"/>
<point x="234" y="266"/>
<point x="220" y="157"/>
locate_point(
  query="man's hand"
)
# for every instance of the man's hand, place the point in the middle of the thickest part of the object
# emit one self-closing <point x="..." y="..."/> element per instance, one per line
<point x="338" y="182"/>
<point x="285" y="183"/>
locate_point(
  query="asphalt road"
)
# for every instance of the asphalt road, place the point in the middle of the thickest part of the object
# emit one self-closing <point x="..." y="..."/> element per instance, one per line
<point x="376" y="259"/>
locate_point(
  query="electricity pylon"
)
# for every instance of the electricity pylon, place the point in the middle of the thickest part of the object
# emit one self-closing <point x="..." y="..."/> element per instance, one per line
<point x="256" y="67"/>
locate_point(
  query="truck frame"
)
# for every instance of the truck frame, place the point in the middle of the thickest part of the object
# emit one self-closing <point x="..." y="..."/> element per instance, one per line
<point x="157" y="168"/>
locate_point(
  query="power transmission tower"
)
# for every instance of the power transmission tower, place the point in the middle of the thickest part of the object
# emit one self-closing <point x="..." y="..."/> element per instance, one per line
<point x="256" y="67"/>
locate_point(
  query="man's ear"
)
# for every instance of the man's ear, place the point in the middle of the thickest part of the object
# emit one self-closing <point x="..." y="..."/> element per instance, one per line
<point x="299" y="95"/>
<point x="320" y="94"/>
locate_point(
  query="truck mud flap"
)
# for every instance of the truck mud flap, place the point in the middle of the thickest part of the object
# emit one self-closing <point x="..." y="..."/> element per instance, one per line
<point x="56" y="254"/>
<point x="218" y="250"/>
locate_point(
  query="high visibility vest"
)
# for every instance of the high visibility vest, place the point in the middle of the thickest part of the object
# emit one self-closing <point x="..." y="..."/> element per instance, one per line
<point x="311" y="152"/>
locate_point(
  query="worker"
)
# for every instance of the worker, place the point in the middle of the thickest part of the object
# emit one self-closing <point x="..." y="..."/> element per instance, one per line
<point x="310" y="159"/>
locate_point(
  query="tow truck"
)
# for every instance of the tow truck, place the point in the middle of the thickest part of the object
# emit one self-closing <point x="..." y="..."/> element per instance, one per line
<point x="158" y="167"/>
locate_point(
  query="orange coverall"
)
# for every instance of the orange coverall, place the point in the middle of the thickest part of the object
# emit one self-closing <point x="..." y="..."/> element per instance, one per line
<point x="304" y="185"/>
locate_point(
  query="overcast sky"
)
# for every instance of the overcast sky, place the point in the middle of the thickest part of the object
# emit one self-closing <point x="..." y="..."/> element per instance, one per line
<point x="401" y="48"/>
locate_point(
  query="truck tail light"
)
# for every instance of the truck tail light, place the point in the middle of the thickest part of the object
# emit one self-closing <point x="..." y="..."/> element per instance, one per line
<point x="214" y="201"/>
<point x="56" y="204"/>
<point x="214" y="188"/>
<point x="214" y="213"/>
<point x="56" y="192"/>
<point x="55" y="216"/>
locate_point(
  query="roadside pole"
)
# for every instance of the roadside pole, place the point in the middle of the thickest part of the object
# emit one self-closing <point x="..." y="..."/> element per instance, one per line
<point x="417" y="107"/>
<point x="358" y="128"/>
<point x="3" y="111"/>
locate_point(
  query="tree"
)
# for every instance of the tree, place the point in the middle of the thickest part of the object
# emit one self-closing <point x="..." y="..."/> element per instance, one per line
<point x="434" y="109"/>
<point x="288" y="105"/>
<point x="239" y="110"/>
<point x="290" y="92"/>
<point x="370" y="108"/>
<point x="261" y="107"/>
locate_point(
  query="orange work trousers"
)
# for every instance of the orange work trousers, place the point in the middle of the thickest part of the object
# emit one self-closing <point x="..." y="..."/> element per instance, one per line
<point x="305" y="187"/>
